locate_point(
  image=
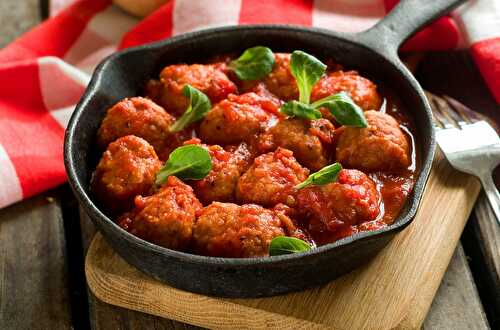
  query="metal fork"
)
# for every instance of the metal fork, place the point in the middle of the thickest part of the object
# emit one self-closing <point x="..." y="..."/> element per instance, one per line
<point x="470" y="144"/>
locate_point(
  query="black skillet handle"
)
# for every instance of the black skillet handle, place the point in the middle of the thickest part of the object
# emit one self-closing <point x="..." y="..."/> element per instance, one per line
<point x="404" y="20"/>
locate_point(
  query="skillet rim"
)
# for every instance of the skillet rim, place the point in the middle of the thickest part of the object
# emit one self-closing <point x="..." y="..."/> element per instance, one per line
<point x="95" y="213"/>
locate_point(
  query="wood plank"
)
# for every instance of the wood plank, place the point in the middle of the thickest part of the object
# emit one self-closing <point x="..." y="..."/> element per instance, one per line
<point x="12" y="30"/>
<point x="404" y="276"/>
<point x="459" y="78"/>
<point x="17" y="17"/>
<point x="34" y="279"/>
<point x="482" y="240"/>
<point x="105" y="316"/>
<point x="457" y="304"/>
<point x="487" y="234"/>
<point x="75" y="259"/>
<point x="33" y="274"/>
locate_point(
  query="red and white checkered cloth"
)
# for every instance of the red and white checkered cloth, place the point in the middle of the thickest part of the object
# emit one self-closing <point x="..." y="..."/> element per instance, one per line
<point x="44" y="72"/>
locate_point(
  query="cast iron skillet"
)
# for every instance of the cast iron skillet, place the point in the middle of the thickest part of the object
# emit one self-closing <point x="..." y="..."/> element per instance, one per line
<point x="373" y="53"/>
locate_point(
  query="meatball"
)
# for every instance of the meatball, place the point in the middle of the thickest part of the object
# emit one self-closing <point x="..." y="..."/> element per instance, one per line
<point x="230" y="230"/>
<point x="351" y="200"/>
<point x="210" y="79"/>
<point x="267" y="100"/>
<point x="304" y="138"/>
<point x="293" y="226"/>
<point x="361" y="90"/>
<point x="144" y="118"/>
<point x="271" y="179"/>
<point x="237" y="119"/>
<point x="165" y="218"/>
<point x="280" y="81"/>
<point x="227" y="167"/>
<point x="380" y="146"/>
<point x="127" y="168"/>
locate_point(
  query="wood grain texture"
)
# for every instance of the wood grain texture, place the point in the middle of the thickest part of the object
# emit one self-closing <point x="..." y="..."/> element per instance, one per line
<point x="404" y="276"/>
<point x="483" y="241"/>
<point x="104" y="316"/>
<point x="17" y="17"/>
<point x="34" y="290"/>
<point x="455" y="74"/>
<point x="456" y="305"/>
<point x="33" y="275"/>
<point x="488" y="235"/>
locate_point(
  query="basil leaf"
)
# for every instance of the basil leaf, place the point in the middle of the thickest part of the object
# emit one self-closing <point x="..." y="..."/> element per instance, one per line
<point x="254" y="63"/>
<point x="287" y="245"/>
<point x="190" y="162"/>
<point x="307" y="70"/>
<point x="343" y="108"/>
<point x="298" y="109"/>
<point x="326" y="175"/>
<point x="199" y="105"/>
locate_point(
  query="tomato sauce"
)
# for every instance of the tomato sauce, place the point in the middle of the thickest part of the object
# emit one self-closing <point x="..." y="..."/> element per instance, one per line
<point x="260" y="158"/>
<point x="393" y="187"/>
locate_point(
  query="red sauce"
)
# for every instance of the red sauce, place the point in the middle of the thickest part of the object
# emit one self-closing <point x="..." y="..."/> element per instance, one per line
<point x="259" y="157"/>
<point x="393" y="187"/>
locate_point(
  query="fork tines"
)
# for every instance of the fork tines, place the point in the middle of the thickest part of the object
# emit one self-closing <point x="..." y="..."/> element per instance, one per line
<point x="449" y="113"/>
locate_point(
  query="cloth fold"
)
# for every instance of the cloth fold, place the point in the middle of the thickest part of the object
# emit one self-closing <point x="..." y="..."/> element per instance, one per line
<point x="44" y="72"/>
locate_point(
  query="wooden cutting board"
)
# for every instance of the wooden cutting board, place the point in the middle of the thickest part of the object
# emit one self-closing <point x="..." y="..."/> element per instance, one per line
<point x="395" y="290"/>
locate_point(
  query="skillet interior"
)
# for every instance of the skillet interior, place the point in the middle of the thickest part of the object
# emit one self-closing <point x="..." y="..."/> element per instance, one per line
<point x="124" y="74"/>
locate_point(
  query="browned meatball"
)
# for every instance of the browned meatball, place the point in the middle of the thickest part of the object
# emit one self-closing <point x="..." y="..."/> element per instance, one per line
<point x="237" y="119"/>
<point x="227" y="167"/>
<point x="271" y="179"/>
<point x="351" y="200"/>
<point x="165" y="218"/>
<point x="361" y="90"/>
<point x="288" y="213"/>
<point x="308" y="140"/>
<point x="380" y="146"/>
<point x="210" y="79"/>
<point x="127" y="168"/>
<point x="144" y="118"/>
<point x="280" y="81"/>
<point x="230" y="230"/>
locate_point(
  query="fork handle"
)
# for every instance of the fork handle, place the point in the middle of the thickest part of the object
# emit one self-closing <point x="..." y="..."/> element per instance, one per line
<point x="492" y="193"/>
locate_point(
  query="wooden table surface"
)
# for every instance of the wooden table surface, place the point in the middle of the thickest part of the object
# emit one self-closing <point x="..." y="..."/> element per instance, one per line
<point x="43" y="242"/>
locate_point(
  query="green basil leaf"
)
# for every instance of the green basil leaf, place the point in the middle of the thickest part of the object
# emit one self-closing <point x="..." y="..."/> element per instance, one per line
<point x="298" y="109"/>
<point x="287" y="245"/>
<point x="343" y="108"/>
<point x="307" y="70"/>
<point x="324" y="176"/>
<point x="190" y="162"/>
<point x="199" y="105"/>
<point x="254" y="63"/>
